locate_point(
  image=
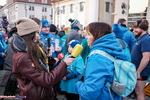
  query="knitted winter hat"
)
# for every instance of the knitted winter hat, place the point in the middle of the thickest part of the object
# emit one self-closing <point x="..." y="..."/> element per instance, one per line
<point x="5" y="35"/>
<point x="74" y="22"/>
<point x="45" y="23"/>
<point x="26" y="26"/>
<point x="52" y="28"/>
<point x="73" y="43"/>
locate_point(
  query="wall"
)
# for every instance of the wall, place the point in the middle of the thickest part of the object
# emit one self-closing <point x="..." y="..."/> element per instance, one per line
<point x="107" y="15"/>
<point x="118" y="10"/>
<point x="148" y="14"/>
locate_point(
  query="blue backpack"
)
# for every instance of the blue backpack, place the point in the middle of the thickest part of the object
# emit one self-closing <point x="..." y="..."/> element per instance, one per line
<point x="124" y="80"/>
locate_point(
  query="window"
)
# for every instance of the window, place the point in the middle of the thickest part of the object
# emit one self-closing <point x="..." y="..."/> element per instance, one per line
<point x="71" y="8"/>
<point x="31" y="16"/>
<point x="51" y="16"/>
<point x="63" y="9"/>
<point x="44" y="9"/>
<point x="44" y="1"/>
<point x="31" y="8"/>
<point x="52" y="0"/>
<point x="31" y="0"/>
<point x="107" y="6"/>
<point x="44" y="17"/>
<point x="57" y="10"/>
<point x="81" y="6"/>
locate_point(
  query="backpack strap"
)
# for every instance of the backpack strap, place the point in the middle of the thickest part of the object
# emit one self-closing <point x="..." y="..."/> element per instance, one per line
<point x="103" y="53"/>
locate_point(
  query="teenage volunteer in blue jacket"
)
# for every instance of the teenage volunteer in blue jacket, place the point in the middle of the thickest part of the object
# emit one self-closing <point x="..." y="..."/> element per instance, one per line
<point x="128" y="36"/>
<point x="99" y="69"/>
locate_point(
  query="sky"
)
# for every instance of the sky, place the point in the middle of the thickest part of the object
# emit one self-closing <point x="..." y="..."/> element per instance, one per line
<point x="136" y="6"/>
<point x="2" y="2"/>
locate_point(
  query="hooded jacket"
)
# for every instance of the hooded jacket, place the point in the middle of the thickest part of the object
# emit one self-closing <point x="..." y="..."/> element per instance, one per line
<point x="99" y="69"/>
<point x="72" y="35"/>
<point x="34" y="85"/>
<point x="3" y="47"/>
<point x="76" y="69"/>
<point x="5" y="22"/>
<point x="125" y="34"/>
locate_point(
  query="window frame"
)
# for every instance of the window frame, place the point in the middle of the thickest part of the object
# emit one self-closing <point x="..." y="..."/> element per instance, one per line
<point x="71" y="8"/>
<point x="107" y="9"/>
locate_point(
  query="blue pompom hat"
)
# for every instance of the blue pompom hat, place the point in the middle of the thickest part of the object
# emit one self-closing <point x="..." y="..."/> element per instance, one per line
<point x="73" y="43"/>
<point x="45" y="23"/>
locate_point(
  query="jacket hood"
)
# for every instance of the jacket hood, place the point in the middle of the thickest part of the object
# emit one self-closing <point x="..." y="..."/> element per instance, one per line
<point x="111" y="45"/>
<point x="124" y="29"/>
<point x="19" y="43"/>
<point x="117" y="30"/>
<point x="4" y="17"/>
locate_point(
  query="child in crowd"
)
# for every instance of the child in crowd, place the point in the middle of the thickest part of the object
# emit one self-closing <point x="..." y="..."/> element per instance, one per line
<point x="77" y="68"/>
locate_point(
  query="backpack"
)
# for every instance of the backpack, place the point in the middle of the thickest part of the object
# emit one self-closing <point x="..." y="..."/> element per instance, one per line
<point x="124" y="79"/>
<point x="125" y="48"/>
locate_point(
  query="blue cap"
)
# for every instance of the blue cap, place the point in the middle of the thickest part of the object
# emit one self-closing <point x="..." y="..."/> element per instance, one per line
<point x="45" y="23"/>
<point x="73" y="43"/>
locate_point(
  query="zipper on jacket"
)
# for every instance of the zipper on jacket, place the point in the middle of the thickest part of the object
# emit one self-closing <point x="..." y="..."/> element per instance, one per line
<point x="42" y="92"/>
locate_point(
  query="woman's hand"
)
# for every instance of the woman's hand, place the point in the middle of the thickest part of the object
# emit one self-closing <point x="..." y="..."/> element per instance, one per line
<point x="56" y="60"/>
<point x="64" y="78"/>
<point x="68" y="60"/>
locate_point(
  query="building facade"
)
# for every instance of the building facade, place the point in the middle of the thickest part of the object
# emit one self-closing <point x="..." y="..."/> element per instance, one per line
<point x="15" y="9"/>
<point x="86" y="11"/>
<point x="148" y="14"/>
<point x="122" y="8"/>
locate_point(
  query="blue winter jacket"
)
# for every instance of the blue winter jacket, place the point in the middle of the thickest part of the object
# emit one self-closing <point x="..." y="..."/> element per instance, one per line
<point x="125" y="34"/>
<point x="3" y="47"/>
<point x="44" y="38"/>
<point x="99" y="69"/>
<point x="75" y="70"/>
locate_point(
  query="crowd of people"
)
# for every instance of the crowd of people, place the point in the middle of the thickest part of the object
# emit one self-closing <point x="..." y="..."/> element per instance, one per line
<point x="30" y="63"/>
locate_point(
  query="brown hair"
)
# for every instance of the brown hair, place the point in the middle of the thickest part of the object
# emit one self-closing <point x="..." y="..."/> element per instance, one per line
<point x="36" y="20"/>
<point x="33" y="50"/>
<point x="142" y="24"/>
<point x="121" y="20"/>
<point x="99" y="29"/>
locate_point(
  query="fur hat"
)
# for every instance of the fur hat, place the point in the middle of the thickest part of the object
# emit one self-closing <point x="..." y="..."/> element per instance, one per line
<point x="26" y="26"/>
<point x="45" y="23"/>
<point x="73" y="43"/>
